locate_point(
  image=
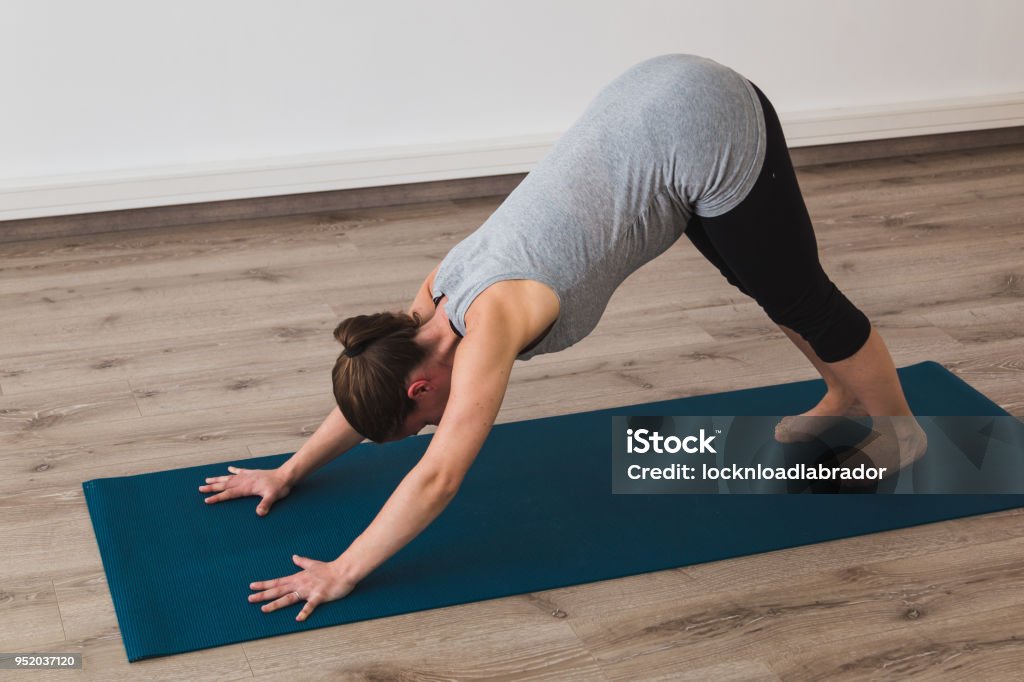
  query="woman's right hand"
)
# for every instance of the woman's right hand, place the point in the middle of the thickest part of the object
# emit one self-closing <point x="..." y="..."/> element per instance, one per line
<point x="269" y="484"/>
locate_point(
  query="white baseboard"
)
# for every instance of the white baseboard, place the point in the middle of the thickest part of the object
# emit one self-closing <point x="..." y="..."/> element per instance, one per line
<point x="148" y="187"/>
<point x="903" y="120"/>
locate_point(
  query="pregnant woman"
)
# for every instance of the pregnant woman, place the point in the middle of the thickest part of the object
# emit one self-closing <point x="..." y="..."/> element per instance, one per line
<point x="677" y="144"/>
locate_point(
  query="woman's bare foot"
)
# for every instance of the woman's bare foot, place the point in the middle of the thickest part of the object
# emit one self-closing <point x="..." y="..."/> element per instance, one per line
<point x="815" y="421"/>
<point x="894" y="444"/>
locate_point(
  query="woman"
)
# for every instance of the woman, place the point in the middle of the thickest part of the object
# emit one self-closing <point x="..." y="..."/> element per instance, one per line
<point x="677" y="144"/>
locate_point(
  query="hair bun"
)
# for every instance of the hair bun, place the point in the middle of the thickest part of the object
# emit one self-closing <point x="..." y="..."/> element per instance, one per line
<point x="355" y="350"/>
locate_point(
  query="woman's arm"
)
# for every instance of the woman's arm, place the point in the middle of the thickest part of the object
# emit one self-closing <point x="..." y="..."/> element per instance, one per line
<point x="481" y="368"/>
<point x="423" y="302"/>
<point x="335" y="436"/>
<point x="483" y="363"/>
<point x="332" y="438"/>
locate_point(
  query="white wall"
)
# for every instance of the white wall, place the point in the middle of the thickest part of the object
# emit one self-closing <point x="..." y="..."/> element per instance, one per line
<point x="117" y="103"/>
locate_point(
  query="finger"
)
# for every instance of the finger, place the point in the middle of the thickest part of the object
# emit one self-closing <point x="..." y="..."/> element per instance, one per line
<point x="264" y="584"/>
<point x="266" y="503"/>
<point x="221" y="482"/>
<point x="228" y="494"/>
<point x="212" y="487"/>
<point x="272" y="593"/>
<point x="286" y="600"/>
<point x="219" y="485"/>
<point x="228" y="482"/>
<point x="307" y="609"/>
<point x="236" y="470"/>
<point x="264" y="506"/>
<point x="302" y="561"/>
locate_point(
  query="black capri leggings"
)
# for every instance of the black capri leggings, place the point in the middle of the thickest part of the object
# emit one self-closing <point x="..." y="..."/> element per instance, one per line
<point x="765" y="247"/>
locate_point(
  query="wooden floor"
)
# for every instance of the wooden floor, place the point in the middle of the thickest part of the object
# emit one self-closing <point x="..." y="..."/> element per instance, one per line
<point x="135" y="352"/>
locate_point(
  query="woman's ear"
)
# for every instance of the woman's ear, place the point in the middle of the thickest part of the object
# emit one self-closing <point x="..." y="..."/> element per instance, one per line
<point x="418" y="388"/>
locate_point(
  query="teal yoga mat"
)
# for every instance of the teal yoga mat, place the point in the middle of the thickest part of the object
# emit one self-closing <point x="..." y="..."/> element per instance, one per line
<point x="535" y="512"/>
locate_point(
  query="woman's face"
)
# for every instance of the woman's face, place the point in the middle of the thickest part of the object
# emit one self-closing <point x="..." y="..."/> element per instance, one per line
<point x="416" y="422"/>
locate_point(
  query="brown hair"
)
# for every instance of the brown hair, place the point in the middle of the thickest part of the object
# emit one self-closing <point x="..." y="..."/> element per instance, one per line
<point x="369" y="375"/>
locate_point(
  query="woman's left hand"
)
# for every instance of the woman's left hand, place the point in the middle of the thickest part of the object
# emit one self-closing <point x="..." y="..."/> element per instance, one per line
<point x="316" y="583"/>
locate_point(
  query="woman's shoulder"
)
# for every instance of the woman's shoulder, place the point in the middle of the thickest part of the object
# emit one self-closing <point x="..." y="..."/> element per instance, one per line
<point x="518" y="292"/>
<point x="526" y="308"/>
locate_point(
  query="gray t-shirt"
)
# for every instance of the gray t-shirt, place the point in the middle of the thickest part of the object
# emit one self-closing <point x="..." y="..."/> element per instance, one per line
<point x="672" y="136"/>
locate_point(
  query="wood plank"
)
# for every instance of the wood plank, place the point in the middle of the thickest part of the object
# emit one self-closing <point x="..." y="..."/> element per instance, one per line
<point x="507" y="638"/>
<point x="104" y="659"/>
<point x="829" y="607"/>
<point x="29" y="615"/>
<point x="982" y="646"/>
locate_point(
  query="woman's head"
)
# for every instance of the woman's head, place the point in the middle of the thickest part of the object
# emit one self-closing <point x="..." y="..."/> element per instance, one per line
<point x="370" y="375"/>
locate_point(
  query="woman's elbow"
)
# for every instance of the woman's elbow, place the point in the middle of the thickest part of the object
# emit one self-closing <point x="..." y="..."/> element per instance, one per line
<point x="444" y="485"/>
<point x="448" y="485"/>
